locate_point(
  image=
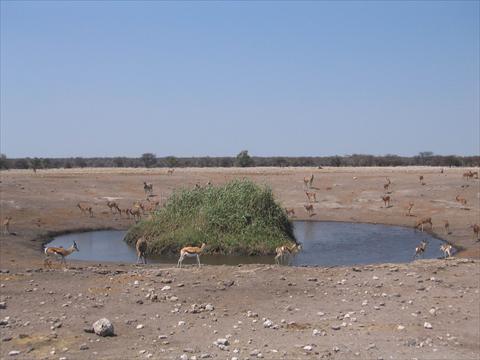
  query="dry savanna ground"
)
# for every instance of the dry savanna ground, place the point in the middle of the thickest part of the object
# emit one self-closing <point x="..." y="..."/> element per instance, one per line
<point x="428" y="309"/>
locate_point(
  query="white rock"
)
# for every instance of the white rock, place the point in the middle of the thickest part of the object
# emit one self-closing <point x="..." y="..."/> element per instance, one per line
<point x="140" y="326"/>
<point x="308" y="348"/>
<point x="222" y="341"/>
<point x="432" y="311"/>
<point x="166" y="287"/>
<point x="400" y="327"/>
<point x="181" y="323"/>
<point x="427" y="325"/>
<point x="267" y="323"/>
<point x="103" y="327"/>
<point x="14" y="353"/>
<point x="184" y="357"/>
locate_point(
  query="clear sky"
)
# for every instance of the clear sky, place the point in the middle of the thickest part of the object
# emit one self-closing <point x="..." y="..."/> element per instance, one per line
<point x="213" y="78"/>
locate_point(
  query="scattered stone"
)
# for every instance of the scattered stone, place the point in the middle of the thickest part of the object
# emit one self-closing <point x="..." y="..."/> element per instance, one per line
<point x="222" y="341"/>
<point x="267" y="323"/>
<point x="84" y="347"/>
<point x="166" y="287"/>
<point x="140" y="326"/>
<point x="336" y="349"/>
<point x="308" y="348"/>
<point x="427" y="325"/>
<point x="14" y="353"/>
<point x="184" y="357"/>
<point x="400" y="327"/>
<point x="103" y="327"/>
<point x="3" y="305"/>
<point x="336" y="327"/>
<point x="7" y="338"/>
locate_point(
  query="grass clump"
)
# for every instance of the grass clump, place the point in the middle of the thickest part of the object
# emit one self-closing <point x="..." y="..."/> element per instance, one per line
<point x="238" y="218"/>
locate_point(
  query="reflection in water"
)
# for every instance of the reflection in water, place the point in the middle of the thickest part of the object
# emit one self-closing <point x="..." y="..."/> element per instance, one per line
<point x="324" y="244"/>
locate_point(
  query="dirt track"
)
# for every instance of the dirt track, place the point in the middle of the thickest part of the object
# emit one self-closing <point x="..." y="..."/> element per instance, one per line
<point x="364" y="312"/>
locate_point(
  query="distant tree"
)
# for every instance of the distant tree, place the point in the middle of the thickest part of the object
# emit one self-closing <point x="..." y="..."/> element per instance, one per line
<point x="3" y="162"/>
<point x="67" y="164"/>
<point x="149" y="159"/>
<point x="336" y="161"/>
<point x="21" y="164"/>
<point x="79" y="162"/>
<point x="36" y="163"/>
<point x="119" y="161"/>
<point x="171" y="161"/>
<point x="243" y="159"/>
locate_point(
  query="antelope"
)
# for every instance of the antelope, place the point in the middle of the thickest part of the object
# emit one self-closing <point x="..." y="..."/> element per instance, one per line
<point x="290" y="211"/>
<point x="308" y="181"/>
<point x="141" y="246"/>
<point x="461" y="200"/>
<point x="135" y="212"/>
<point x="309" y="209"/>
<point x="190" y="251"/>
<point x="420" y="249"/>
<point x="476" y="231"/>
<point x="387" y="185"/>
<point x="148" y="188"/>
<point x="59" y="253"/>
<point x="420" y="178"/>
<point x="409" y="208"/>
<point x="312" y="197"/>
<point x="386" y="200"/>
<point x="471" y="174"/>
<point x="170" y="171"/>
<point x="447" y="250"/>
<point x="113" y="206"/>
<point x="422" y="222"/>
<point x="85" y="208"/>
<point x="286" y="250"/>
<point x="447" y="227"/>
<point x="6" y="225"/>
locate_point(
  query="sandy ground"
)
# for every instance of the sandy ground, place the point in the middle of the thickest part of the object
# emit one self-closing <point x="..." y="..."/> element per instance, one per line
<point x="364" y="312"/>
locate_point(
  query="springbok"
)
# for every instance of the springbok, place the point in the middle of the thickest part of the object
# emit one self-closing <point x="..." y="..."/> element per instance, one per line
<point x="476" y="231"/>
<point x="461" y="200"/>
<point x="59" y="252"/>
<point x="148" y="188"/>
<point x="311" y="196"/>
<point x="190" y="251"/>
<point x="446" y="226"/>
<point x="420" y="178"/>
<point x="170" y="171"/>
<point x="6" y="225"/>
<point x="85" y="208"/>
<point x="113" y="206"/>
<point x="287" y="251"/>
<point x="387" y="185"/>
<point x="386" y="199"/>
<point x="309" y="209"/>
<point x="308" y="181"/>
<point x="420" y="249"/>
<point x="447" y="250"/>
<point x="422" y="222"/>
<point x="410" y="206"/>
<point x="290" y="211"/>
<point x="141" y="246"/>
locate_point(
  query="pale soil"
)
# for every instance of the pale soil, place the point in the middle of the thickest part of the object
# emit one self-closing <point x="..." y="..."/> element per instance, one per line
<point x="377" y="298"/>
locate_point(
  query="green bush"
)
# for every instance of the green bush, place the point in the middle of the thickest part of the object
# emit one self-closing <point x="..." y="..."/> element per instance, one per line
<point x="238" y="218"/>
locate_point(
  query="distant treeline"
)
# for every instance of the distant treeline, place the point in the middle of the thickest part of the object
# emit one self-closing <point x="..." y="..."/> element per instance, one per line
<point x="243" y="159"/>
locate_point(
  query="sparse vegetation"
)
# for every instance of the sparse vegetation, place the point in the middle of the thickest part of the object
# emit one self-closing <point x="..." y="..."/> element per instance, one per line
<point x="239" y="217"/>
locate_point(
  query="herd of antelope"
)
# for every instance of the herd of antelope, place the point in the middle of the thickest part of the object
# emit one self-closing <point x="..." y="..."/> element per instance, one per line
<point x="140" y="208"/>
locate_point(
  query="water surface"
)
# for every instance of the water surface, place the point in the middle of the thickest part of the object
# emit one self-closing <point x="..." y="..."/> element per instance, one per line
<point x="324" y="244"/>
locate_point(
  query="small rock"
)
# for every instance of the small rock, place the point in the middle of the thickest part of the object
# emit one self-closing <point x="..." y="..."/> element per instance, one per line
<point x="3" y="305"/>
<point x="308" y="348"/>
<point x="14" y="353"/>
<point x="222" y="341"/>
<point x="140" y="326"/>
<point x="209" y="307"/>
<point x="335" y="327"/>
<point x="84" y="347"/>
<point x="184" y="357"/>
<point x="166" y="287"/>
<point x="103" y="327"/>
<point x="267" y="323"/>
<point x="400" y="327"/>
<point x="427" y="325"/>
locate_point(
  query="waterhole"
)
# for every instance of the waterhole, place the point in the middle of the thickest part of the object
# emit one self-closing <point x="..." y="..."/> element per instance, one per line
<point x="323" y="244"/>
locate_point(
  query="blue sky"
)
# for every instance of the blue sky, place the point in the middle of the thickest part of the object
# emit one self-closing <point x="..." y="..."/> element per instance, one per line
<point x="214" y="78"/>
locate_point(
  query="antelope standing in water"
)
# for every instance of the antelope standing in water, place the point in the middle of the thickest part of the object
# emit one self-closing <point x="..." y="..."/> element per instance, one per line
<point x="191" y="251"/>
<point x="420" y="249"/>
<point x="148" y="188"/>
<point x="6" y="225"/>
<point x="386" y="199"/>
<point x="85" y="208"/>
<point x="59" y="252"/>
<point x="447" y="250"/>
<point x="308" y="181"/>
<point x="422" y="222"/>
<point x="286" y="251"/>
<point x="141" y="246"/>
